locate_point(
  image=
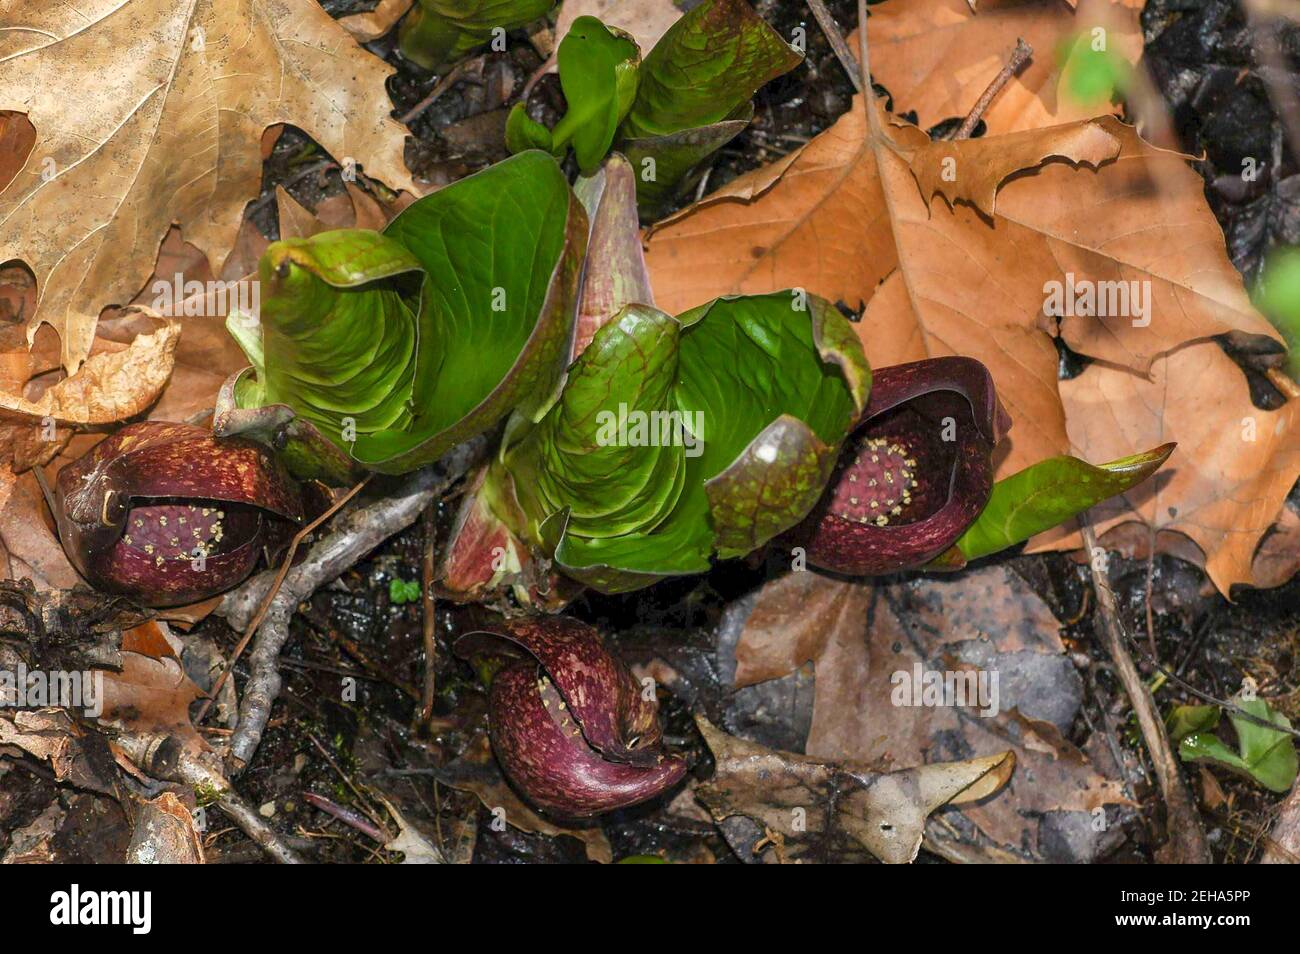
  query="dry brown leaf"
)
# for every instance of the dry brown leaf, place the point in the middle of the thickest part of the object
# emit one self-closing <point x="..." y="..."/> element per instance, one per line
<point x="150" y="113"/>
<point x="938" y="56"/>
<point x="1224" y="485"/>
<point x="75" y="756"/>
<point x="972" y="271"/>
<point x="1278" y="557"/>
<point x="805" y="809"/>
<point x="475" y="770"/>
<point x="646" y="20"/>
<point x="110" y="386"/>
<point x="987" y="620"/>
<point x="373" y="24"/>
<point x="152" y="697"/>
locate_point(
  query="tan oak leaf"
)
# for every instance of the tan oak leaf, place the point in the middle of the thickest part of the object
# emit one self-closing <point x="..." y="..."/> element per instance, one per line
<point x="151" y="112"/>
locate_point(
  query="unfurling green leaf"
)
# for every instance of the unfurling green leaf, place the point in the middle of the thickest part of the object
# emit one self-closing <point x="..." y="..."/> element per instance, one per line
<point x="438" y="32"/>
<point x="694" y="92"/>
<point x="397" y="346"/>
<point x="708" y="64"/>
<point x="678" y="439"/>
<point x="1044" y="494"/>
<point x="1183" y="721"/>
<point x="1266" y="755"/>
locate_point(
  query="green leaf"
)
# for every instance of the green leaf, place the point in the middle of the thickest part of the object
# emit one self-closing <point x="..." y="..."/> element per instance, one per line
<point x="598" y="73"/>
<point x="403" y="591"/>
<point x="1183" y="721"/>
<point x="524" y="133"/>
<point x="397" y="346"/>
<point x="1277" y="295"/>
<point x="502" y="251"/>
<point x="1266" y="755"/>
<point x="1044" y="494"/>
<point x="1091" y="72"/>
<point x="679" y="439"/>
<point x="338" y="335"/>
<point x="665" y="163"/>
<point x="438" y="32"/>
<point x="708" y="64"/>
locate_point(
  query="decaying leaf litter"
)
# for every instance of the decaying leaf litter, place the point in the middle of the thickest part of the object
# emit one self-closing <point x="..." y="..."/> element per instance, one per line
<point x="357" y="754"/>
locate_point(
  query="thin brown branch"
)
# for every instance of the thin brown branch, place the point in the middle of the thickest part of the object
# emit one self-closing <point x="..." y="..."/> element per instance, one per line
<point x="429" y="608"/>
<point x="864" y="67"/>
<point x="836" y="40"/>
<point x="165" y="757"/>
<point x="1019" y="57"/>
<point x="353" y="535"/>
<point x="1187" y="844"/>
<point x="453" y="76"/>
<point x="285" y="564"/>
<point x="1284" y="383"/>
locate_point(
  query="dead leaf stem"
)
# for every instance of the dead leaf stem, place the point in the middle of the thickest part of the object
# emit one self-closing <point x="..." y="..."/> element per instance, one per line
<point x="836" y="40"/>
<point x="1019" y="57"/>
<point x="428" y="607"/>
<point x="1187" y="843"/>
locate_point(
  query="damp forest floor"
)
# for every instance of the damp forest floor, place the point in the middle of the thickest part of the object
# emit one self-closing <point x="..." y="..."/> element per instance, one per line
<point x="320" y="744"/>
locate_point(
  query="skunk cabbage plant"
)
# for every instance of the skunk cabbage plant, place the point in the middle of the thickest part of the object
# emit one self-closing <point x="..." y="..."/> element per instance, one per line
<point x="915" y="484"/>
<point x="436" y="33"/>
<point x="383" y="350"/>
<point x="689" y="97"/>
<point x="167" y="514"/>
<point x="573" y="729"/>
<point x="638" y="445"/>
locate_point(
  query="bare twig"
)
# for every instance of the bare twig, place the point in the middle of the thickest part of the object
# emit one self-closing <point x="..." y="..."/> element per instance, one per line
<point x="347" y="816"/>
<point x="1019" y="57"/>
<point x="429" y="607"/>
<point x="864" y="67"/>
<point x="355" y="534"/>
<point x="165" y="757"/>
<point x="1284" y="383"/>
<point x="453" y="76"/>
<point x="266" y="601"/>
<point x="321" y="165"/>
<point x="836" y="40"/>
<point x="1187" y="843"/>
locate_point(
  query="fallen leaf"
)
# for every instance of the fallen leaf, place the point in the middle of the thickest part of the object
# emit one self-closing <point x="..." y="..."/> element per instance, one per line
<point x="417" y="849"/>
<point x="476" y="771"/>
<point x="152" y="696"/>
<point x="809" y="809"/>
<point x="1223" y="487"/>
<point x="874" y="642"/>
<point x="152" y="113"/>
<point x="1278" y="557"/>
<point x="646" y="20"/>
<point x="373" y="24"/>
<point x="937" y="56"/>
<point x="75" y="756"/>
<point x="990" y="268"/>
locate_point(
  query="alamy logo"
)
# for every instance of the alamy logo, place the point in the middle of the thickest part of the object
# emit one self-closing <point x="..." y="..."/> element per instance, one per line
<point x="23" y="688"/>
<point x="1086" y="298"/>
<point x="936" y="689"/>
<point x="634" y="428"/>
<point x="102" y="907"/>
<point x="194" y="299"/>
